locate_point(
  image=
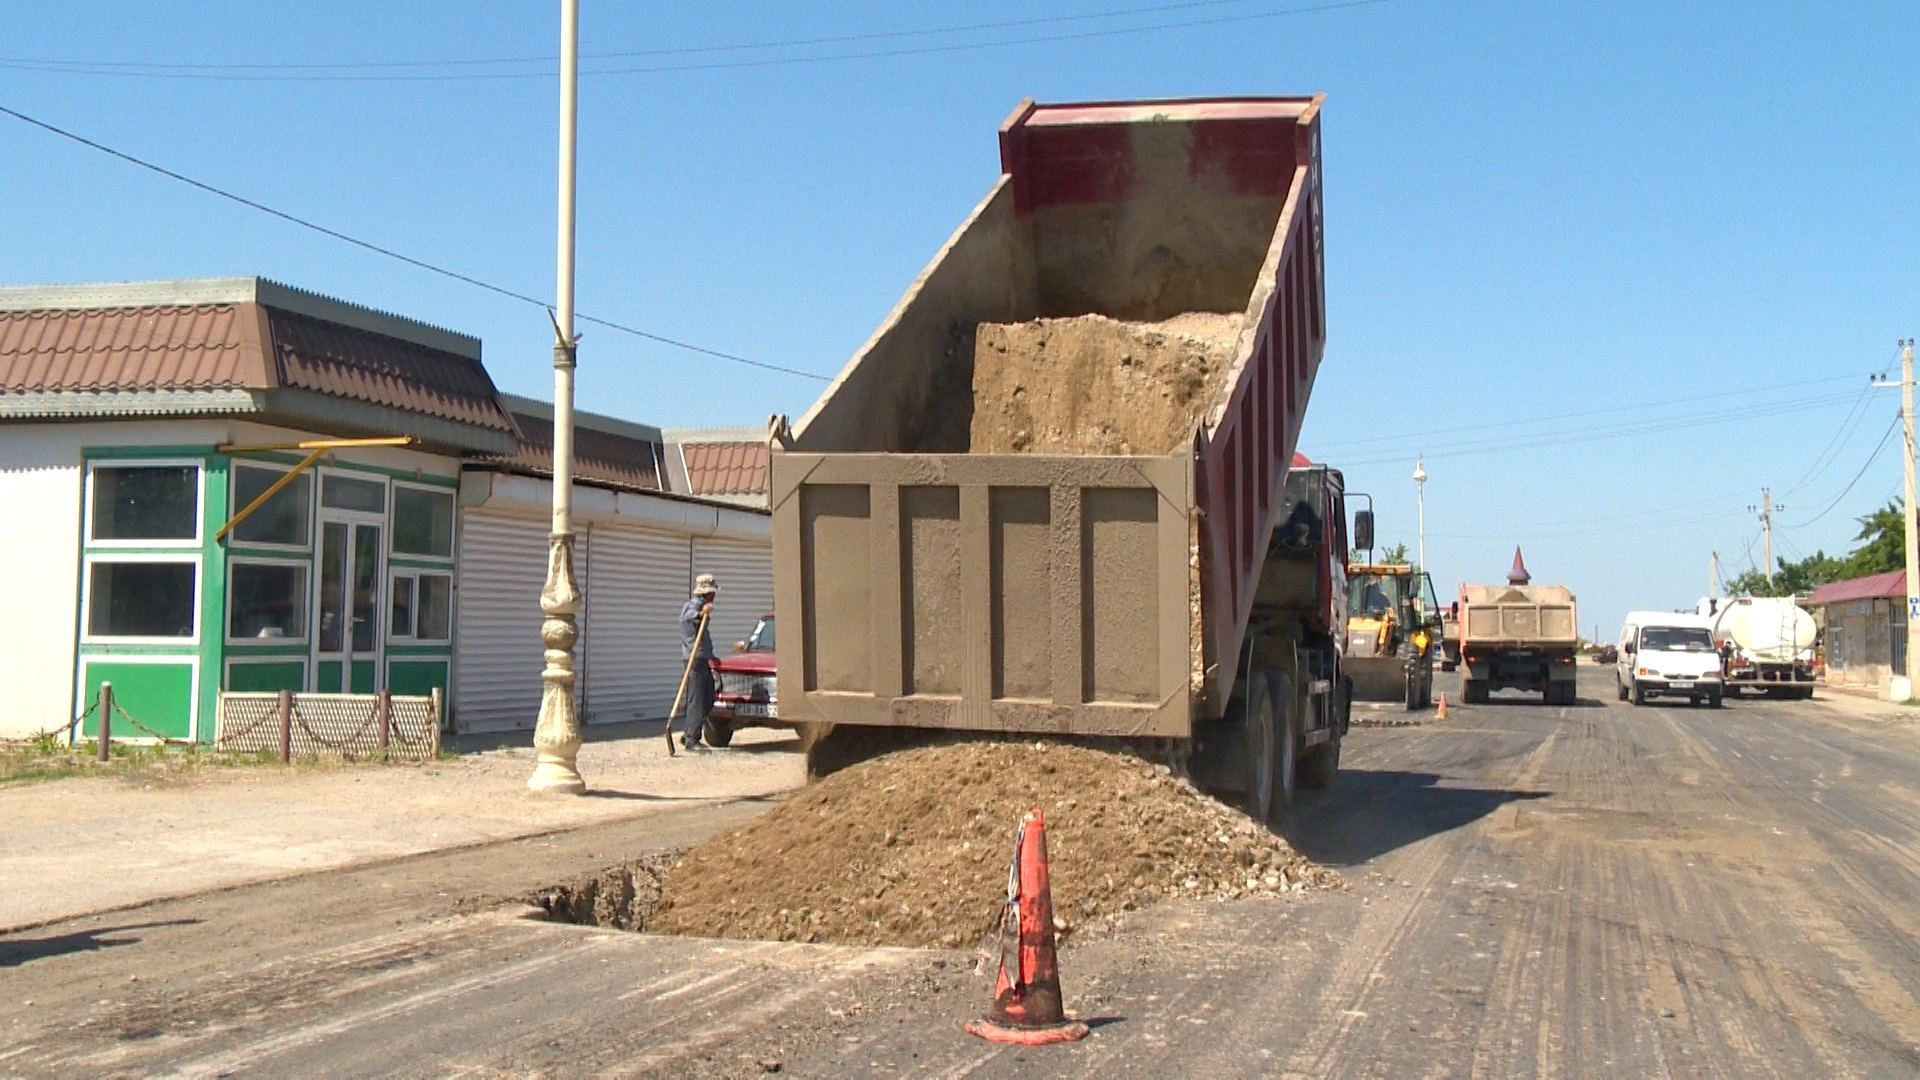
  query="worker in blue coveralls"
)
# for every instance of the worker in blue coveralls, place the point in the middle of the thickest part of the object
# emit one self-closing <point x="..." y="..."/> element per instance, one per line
<point x="696" y="641"/>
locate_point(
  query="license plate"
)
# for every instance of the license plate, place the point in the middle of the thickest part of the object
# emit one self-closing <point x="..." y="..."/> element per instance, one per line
<point x="1680" y="685"/>
<point x="753" y="709"/>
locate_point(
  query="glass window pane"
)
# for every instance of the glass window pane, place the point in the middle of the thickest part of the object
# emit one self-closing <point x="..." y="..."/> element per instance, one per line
<point x="129" y="599"/>
<point x="268" y="600"/>
<point x="283" y="520"/>
<point x="366" y="586"/>
<point x="423" y="522"/>
<point x="347" y="493"/>
<point x="402" y="607"/>
<point x="333" y="576"/>
<point x="436" y="607"/>
<point x="146" y="502"/>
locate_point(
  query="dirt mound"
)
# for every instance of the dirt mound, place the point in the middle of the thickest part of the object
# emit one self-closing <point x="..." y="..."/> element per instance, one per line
<point x="912" y="849"/>
<point x="1095" y="385"/>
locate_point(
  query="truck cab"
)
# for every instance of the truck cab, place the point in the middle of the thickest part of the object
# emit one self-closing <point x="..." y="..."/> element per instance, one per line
<point x="1668" y="655"/>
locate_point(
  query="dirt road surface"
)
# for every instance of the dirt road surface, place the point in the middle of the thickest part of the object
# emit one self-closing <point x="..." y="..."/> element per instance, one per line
<point x="1585" y="890"/>
<point x="97" y="843"/>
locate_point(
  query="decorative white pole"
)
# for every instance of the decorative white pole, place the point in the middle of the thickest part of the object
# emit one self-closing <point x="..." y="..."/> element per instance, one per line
<point x="1420" y="484"/>
<point x="556" y="736"/>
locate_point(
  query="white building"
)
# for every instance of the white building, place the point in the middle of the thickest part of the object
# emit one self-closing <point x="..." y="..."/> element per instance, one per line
<point x="138" y="421"/>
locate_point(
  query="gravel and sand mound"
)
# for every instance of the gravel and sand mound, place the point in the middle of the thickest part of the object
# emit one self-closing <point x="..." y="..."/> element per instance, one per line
<point x="912" y="849"/>
<point x="1095" y="385"/>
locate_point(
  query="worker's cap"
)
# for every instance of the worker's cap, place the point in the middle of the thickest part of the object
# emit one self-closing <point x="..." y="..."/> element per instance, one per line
<point x="704" y="585"/>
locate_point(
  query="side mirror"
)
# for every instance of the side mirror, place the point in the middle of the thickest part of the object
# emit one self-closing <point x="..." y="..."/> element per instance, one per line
<point x="1363" y="529"/>
<point x="1630" y="650"/>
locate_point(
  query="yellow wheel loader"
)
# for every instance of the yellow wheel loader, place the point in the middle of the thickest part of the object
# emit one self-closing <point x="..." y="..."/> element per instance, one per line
<point x="1392" y="633"/>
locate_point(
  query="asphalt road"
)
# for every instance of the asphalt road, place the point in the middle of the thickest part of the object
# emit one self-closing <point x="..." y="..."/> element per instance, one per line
<point x="1588" y="890"/>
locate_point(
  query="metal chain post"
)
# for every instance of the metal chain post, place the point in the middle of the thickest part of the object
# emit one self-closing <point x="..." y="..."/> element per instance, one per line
<point x="106" y="722"/>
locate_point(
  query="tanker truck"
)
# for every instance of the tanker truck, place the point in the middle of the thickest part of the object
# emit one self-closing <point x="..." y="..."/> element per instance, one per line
<point x="1767" y="643"/>
<point x="1057" y="491"/>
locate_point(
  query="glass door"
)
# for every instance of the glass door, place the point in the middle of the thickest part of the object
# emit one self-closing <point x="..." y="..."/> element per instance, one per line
<point x="347" y="606"/>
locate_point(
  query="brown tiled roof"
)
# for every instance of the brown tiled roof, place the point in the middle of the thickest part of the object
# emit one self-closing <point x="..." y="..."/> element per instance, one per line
<point x="315" y="354"/>
<point x="726" y="468"/>
<point x="240" y="345"/>
<point x="202" y="347"/>
<point x="598" y="456"/>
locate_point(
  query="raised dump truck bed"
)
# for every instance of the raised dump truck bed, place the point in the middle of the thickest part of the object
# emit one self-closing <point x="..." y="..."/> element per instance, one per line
<point x="923" y="584"/>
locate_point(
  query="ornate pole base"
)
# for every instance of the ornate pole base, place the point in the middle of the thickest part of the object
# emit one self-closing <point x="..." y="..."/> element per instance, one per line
<point x="556" y="737"/>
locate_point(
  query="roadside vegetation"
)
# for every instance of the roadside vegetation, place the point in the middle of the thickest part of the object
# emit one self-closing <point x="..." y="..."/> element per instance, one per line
<point x="1881" y="548"/>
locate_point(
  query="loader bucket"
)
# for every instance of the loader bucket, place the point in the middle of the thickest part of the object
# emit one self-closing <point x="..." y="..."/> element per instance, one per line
<point x="1377" y="678"/>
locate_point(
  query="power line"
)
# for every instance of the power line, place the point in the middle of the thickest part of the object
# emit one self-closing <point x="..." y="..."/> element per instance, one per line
<point x="1615" y="431"/>
<point x="68" y="67"/>
<point x="1848" y="425"/>
<point x="1871" y="458"/>
<point x="683" y="50"/>
<point x="1428" y="433"/>
<point x="422" y="264"/>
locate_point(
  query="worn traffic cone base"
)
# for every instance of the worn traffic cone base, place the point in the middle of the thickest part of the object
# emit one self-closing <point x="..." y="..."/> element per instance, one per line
<point x="992" y="1031"/>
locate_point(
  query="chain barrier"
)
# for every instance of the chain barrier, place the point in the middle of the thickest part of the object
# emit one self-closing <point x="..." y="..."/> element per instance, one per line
<point x="70" y="726"/>
<point x="225" y="737"/>
<point x="373" y="715"/>
<point x="166" y="739"/>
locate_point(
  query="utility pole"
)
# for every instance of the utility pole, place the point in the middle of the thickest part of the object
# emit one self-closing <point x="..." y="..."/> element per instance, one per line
<point x="1420" y="485"/>
<point x="1766" y="510"/>
<point x="556" y="735"/>
<point x="1913" y="554"/>
<point x="1713" y="575"/>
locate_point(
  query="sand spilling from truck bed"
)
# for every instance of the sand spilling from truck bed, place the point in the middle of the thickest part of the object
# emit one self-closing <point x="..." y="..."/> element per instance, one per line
<point x="1095" y="385"/>
<point x="912" y="849"/>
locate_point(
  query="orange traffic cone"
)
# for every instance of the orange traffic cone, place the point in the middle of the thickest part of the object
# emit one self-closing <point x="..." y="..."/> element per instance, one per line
<point x="1026" y="1000"/>
<point x="1441" y="712"/>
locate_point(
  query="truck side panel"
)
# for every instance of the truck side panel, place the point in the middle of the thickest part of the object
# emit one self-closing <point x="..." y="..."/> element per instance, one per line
<point x="1034" y="594"/>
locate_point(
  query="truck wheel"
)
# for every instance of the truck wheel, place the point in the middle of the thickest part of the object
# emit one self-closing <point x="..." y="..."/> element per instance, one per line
<point x="1639" y="694"/>
<point x="1321" y="765"/>
<point x="1713" y="701"/>
<point x="718" y="732"/>
<point x="1620" y="688"/>
<point x="1474" y="691"/>
<point x="1286" y="765"/>
<point x="1262" y="750"/>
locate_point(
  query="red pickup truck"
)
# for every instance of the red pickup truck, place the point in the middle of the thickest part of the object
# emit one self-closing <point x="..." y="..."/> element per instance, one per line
<point x="746" y="688"/>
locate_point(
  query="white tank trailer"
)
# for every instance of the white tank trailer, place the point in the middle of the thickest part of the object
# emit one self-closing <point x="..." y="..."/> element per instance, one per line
<point x="1768" y="644"/>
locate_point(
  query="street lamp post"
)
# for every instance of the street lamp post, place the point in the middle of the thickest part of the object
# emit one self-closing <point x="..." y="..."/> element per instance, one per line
<point x="556" y="735"/>
<point x="1420" y="485"/>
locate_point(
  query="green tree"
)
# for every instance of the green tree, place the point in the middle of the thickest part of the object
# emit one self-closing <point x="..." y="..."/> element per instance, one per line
<point x="1792" y="578"/>
<point x="1884" y="542"/>
<point x="1395" y="556"/>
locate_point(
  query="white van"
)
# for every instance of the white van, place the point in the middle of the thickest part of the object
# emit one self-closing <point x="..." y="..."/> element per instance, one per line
<point x="1662" y="652"/>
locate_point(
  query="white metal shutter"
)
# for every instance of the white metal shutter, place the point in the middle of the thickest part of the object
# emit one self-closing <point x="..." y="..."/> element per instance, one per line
<point x="497" y="651"/>
<point x="635" y="593"/>
<point x="745" y="571"/>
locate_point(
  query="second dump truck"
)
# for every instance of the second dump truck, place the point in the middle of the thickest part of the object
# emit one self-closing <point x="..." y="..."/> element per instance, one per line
<point x="1518" y="636"/>
<point x="1056" y="492"/>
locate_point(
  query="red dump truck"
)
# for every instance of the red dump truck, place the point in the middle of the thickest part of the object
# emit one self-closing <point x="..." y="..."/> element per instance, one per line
<point x="1060" y="574"/>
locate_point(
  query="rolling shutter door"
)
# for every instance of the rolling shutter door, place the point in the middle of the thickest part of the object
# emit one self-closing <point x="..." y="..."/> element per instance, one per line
<point x="638" y="585"/>
<point x="497" y="652"/>
<point x="745" y="571"/>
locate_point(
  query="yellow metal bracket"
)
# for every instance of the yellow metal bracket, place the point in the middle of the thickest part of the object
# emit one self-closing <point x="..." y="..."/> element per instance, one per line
<point x="316" y="449"/>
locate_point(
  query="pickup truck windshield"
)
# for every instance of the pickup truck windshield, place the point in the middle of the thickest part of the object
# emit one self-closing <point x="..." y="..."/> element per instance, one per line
<point x="1676" y="639"/>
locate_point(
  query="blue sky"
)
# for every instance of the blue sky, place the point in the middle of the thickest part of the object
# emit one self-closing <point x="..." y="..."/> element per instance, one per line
<point x="1611" y="267"/>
